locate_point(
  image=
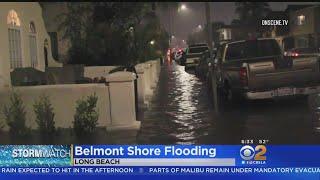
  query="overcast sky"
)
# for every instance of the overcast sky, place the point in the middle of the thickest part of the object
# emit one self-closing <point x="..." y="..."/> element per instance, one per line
<point x="185" y="22"/>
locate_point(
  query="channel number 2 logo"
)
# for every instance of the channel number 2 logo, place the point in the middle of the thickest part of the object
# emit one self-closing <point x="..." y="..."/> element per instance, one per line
<point x="249" y="153"/>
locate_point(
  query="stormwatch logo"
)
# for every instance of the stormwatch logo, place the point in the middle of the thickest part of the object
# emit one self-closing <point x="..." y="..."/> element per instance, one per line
<point x="256" y="155"/>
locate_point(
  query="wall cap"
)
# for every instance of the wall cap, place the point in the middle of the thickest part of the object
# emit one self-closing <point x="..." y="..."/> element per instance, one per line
<point x="121" y="76"/>
<point x="140" y="68"/>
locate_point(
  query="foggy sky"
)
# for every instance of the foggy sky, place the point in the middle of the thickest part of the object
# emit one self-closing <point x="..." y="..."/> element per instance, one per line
<point x="187" y="21"/>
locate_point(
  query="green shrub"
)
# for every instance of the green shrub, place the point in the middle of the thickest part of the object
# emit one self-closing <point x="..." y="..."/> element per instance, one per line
<point x="86" y="116"/>
<point x="44" y="116"/>
<point x="15" y="115"/>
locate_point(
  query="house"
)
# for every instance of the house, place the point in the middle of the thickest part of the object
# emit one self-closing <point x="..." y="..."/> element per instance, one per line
<point x="304" y="26"/>
<point x="224" y="34"/>
<point x="25" y="41"/>
<point x="234" y="32"/>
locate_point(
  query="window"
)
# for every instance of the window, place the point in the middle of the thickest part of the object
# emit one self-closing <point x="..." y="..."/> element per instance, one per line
<point x="14" y="35"/>
<point x="252" y="49"/>
<point x="54" y="44"/>
<point x="301" y="20"/>
<point x="33" y="45"/>
<point x="13" y="19"/>
<point x="198" y="49"/>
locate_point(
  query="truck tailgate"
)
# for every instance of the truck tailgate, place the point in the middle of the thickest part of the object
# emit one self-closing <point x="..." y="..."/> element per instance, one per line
<point x="267" y="75"/>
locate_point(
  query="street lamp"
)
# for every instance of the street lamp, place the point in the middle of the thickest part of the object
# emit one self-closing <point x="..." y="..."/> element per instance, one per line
<point x="183" y="7"/>
<point x="152" y="42"/>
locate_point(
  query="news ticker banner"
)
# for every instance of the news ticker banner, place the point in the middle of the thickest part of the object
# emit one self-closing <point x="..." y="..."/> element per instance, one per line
<point x="158" y="159"/>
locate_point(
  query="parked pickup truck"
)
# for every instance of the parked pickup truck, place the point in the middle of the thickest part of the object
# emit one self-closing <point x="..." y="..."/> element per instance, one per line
<point x="194" y="52"/>
<point x="257" y="69"/>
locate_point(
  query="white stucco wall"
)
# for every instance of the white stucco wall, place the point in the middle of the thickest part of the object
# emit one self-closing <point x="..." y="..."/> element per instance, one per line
<point x="63" y="99"/>
<point x="27" y="12"/>
<point x="116" y="104"/>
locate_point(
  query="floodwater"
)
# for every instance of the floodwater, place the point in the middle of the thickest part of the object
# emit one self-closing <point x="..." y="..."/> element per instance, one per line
<point x="181" y="112"/>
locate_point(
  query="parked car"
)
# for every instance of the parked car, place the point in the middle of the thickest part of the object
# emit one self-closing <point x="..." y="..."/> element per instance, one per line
<point x="182" y="60"/>
<point x="257" y="69"/>
<point x="303" y="52"/>
<point x="178" y="55"/>
<point x="193" y="54"/>
<point x="201" y="70"/>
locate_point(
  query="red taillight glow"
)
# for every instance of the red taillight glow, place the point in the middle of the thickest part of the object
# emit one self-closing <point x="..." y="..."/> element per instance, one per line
<point x="243" y="76"/>
<point x="295" y="54"/>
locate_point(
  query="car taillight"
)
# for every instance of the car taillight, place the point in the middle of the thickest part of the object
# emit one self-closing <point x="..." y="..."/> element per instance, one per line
<point x="243" y="76"/>
<point x="295" y="54"/>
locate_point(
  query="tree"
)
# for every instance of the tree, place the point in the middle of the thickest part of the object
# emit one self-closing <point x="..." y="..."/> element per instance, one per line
<point x="149" y="30"/>
<point x="115" y="24"/>
<point x="169" y="8"/>
<point x="75" y="24"/>
<point x="107" y="33"/>
<point x="251" y="12"/>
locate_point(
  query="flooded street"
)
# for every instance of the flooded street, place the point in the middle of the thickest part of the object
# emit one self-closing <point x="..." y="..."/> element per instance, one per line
<point x="181" y="112"/>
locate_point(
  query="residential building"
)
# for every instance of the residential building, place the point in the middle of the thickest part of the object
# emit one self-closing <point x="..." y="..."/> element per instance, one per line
<point x="235" y="32"/>
<point x="25" y="41"/>
<point x="305" y="27"/>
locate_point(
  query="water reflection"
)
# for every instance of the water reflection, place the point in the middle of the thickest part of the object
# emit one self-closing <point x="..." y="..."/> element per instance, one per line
<point x="181" y="113"/>
<point x="179" y="97"/>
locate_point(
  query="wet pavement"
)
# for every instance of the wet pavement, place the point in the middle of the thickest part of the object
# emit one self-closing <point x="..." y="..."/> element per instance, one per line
<point x="181" y="112"/>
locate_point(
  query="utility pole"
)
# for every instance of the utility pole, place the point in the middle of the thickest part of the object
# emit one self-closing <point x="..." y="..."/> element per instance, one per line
<point x="209" y="25"/>
<point x="212" y="74"/>
<point x="171" y="29"/>
<point x="170" y="32"/>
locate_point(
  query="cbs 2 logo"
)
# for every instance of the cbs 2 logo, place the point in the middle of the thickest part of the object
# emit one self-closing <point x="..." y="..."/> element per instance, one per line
<point x="258" y="153"/>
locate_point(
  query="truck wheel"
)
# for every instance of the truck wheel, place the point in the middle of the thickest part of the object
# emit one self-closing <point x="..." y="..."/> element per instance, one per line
<point x="230" y="97"/>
